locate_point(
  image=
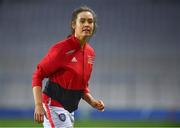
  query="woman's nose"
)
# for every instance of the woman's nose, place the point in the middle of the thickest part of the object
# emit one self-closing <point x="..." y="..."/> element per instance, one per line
<point x="86" y="23"/>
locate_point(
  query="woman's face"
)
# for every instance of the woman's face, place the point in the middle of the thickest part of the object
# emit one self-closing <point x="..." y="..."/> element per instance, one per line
<point x="84" y="25"/>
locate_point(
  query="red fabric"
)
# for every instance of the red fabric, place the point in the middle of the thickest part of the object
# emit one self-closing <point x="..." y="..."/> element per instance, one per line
<point x="48" y="100"/>
<point x="67" y="64"/>
<point x="49" y="116"/>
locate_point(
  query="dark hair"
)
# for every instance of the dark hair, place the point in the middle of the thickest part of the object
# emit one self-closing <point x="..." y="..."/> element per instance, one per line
<point x="83" y="8"/>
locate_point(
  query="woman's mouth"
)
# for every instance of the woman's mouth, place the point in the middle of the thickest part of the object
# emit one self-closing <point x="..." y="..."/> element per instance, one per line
<point x="86" y="30"/>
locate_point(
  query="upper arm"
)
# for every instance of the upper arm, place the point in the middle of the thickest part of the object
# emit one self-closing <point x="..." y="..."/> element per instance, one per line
<point x="52" y="61"/>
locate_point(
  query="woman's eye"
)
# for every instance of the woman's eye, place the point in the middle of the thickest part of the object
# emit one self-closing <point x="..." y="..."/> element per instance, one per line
<point x="82" y="21"/>
<point x="90" y="21"/>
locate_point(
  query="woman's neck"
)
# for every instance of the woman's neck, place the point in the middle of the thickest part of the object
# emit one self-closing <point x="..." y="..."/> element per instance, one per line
<point x="82" y="40"/>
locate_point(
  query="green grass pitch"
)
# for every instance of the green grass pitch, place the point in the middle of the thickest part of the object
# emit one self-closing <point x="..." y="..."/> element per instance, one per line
<point x="92" y="123"/>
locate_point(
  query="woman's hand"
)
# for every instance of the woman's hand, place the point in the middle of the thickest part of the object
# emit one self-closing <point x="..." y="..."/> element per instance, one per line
<point x="39" y="113"/>
<point x="98" y="104"/>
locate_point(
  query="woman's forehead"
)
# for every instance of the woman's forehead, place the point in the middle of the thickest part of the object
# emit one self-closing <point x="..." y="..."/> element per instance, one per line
<point x="85" y="14"/>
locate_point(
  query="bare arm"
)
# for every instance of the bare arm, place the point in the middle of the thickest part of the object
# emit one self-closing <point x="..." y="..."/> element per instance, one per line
<point x="98" y="104"/>
<point x="37" y="92"/>
<point x="39" y="110"/>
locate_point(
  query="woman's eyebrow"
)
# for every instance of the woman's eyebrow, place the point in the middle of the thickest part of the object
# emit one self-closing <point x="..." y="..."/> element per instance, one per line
<point x="86" y="18"/>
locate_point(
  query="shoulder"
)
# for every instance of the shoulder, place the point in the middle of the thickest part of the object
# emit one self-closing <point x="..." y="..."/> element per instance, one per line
<point x="90" y="49"/>
<point x="60" y="45"/>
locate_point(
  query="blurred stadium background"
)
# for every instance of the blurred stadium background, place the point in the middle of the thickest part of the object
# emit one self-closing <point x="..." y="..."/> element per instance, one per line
<point x="137" y="66"/>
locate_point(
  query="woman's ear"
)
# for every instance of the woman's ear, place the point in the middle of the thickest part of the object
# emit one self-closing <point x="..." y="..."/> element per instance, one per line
<point x="73" y="24"/>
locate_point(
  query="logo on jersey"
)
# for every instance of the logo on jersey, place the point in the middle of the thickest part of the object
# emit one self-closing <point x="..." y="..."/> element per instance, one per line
<point x="70" y="52"/>
<point x="90" y="59"/>
<point x="74" y="59"/>
<point x="62" y="117"/>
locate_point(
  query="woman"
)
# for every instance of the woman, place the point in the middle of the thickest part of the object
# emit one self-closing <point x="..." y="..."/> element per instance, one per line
<point x="68" y="66"/>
